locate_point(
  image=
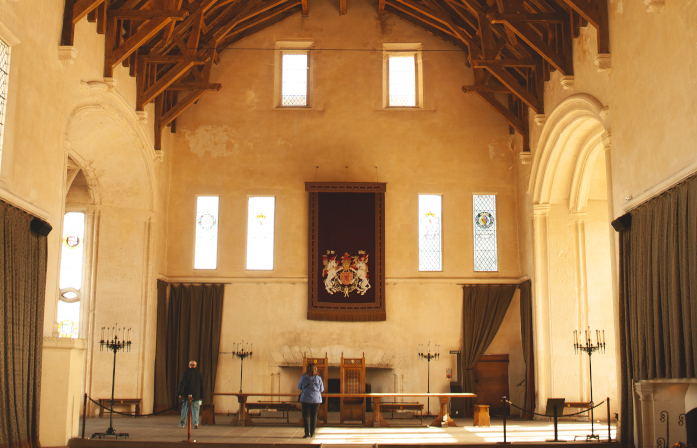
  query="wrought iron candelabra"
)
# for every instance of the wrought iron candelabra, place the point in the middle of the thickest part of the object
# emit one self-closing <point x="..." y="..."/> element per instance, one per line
<point x="428" y="356"/>
<point x="241" y="350"/>
<point x="113" y="339"/>
<point x="586" y="346"/>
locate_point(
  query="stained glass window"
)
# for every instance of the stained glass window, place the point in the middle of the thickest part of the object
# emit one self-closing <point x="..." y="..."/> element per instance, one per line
<point x="206" y="252"/>
<point x="70" y="278"/>
<point x="430" y="214"/>
<point x="260" y="233"/>
<point x="484" y="213"/>
<point x="402" y="81"/>
<point x="4" y="78"/>
<point x="294" y="80"/>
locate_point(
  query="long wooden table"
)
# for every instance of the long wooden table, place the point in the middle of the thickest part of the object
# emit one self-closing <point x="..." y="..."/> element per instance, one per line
<point x="376" y="420"/>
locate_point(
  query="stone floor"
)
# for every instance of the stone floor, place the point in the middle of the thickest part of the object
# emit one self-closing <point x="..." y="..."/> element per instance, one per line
<point x="272" y="431"/>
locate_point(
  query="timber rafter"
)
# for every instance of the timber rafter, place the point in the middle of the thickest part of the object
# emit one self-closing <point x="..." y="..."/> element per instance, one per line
<point x="170" y="46"/>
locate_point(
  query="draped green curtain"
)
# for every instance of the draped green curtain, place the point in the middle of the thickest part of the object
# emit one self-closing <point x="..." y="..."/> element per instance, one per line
<point x="528" y="353"/>
<point x="483" y="309"/>
<point x="192" y="317"/>
<point x="22" y="293"/>
<point x="658" y="294"/>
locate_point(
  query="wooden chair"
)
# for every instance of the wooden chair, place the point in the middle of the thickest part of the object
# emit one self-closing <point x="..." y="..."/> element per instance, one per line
<point x="323" y="371"/>
<point x="352" y="373"/>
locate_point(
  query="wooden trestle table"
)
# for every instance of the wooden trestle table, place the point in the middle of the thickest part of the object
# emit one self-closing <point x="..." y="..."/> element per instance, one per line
<point x="376" y="420"/>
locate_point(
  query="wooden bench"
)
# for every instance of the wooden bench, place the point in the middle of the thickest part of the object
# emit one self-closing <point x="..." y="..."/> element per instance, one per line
<point x="283" y="407"/>
<point x="106" y="402"/>
<point x="403" y="407"/>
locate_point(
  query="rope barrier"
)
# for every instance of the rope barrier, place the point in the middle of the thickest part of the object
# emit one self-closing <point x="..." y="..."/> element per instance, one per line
<point x="131" y="415"/>
<point x="560" y="415"/>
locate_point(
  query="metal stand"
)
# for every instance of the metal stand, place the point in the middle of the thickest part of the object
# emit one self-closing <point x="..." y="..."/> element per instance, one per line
<point x="241" y="352"/>
<point x="114" y="344"/>
<point x="589" y="348"/>
<point x="428" y="357"/>
<point x="556" y="429"/>
<point x="505" y="401"/>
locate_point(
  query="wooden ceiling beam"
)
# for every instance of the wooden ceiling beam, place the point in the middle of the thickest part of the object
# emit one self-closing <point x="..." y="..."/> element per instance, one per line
<point x="260" y="20"/>
<point x="195" y="86"/>
<point x="439" y="26"/>
<point x="544" y="17"/>
<point x="484" y="88"/>
<point x="149" y="14"/>
<point x="518" y="90"/>
<point x="343" y="8"/>
<point x="306" y="8"/>
<point x="172" y="76"/>
<point x="479" y="63"/>
<point x="180" y="107"/>
<point x="596" y="13"/>
<point x="523" y="30"/>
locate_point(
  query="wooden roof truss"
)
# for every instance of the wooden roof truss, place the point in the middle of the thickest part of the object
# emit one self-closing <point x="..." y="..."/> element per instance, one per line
<point x="170" y="46"/>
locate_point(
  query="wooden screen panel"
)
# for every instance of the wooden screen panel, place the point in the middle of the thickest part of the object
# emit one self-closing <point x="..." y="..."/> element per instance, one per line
<point x="491" y="382"/>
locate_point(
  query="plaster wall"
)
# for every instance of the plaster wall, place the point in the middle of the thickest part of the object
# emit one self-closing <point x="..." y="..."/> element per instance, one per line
<point x="235" y="144"/>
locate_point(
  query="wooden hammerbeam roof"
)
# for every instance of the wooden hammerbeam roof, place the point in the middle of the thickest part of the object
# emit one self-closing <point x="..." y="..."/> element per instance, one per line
<point x="170" y="46"/>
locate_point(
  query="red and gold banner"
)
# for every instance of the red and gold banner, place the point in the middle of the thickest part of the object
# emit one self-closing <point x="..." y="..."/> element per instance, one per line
<point x="346" y="279"/>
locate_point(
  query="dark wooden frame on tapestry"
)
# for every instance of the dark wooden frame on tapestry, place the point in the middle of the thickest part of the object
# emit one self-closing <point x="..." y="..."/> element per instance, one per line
<point x="347" y="311"/>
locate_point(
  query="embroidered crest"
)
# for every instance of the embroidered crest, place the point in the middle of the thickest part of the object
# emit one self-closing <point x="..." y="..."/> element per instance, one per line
<point x="347" y="274"/>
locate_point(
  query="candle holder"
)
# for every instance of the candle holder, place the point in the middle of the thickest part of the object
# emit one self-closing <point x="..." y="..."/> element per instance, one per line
<point x="586" y="346"/>
<point x="111" y="341"/>
<point x="428" y="356"/>
<point x="241" y="351"/>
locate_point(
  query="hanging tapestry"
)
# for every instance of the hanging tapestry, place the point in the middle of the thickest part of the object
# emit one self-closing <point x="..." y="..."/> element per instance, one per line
<point x="346" y="280"/>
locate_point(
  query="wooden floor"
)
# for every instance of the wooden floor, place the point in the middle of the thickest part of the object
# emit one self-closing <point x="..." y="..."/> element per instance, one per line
<point x="163" y="432"/>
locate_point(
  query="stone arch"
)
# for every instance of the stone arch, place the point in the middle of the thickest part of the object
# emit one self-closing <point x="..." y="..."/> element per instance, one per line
<point x="572" y="147"/>
<point x="103" y="136"/>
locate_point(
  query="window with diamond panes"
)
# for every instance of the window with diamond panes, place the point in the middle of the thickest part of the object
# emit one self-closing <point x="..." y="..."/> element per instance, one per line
<point x="484" y="213"/>
<point x="430" y="247"/>
<point x="70" y="277"/>
<point x="402" y="81"/>
<point x="206" y="251"/>
<point x="4" y="78"/>
<point x="260" y="233"/>
<point x="294" y="79"/>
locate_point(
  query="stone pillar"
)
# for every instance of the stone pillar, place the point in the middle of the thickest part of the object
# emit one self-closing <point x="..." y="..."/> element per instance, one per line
<point x="61" y="390"/>
<point x="582" y="308"/>
<point x="542" y="342"/>
<point x="645" y="415"/>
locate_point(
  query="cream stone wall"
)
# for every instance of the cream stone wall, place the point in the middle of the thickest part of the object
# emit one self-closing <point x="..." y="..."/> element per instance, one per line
<point x="235" y="145"/>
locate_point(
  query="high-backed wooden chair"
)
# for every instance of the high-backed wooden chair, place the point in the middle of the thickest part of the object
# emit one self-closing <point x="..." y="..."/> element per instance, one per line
<point x="352" y="372"/>
<point x="323" y="371"/>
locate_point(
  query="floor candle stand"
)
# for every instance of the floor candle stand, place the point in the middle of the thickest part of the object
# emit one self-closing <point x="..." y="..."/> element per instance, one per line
<point x="428" y="356"/>
<point x="241" y="351"/>
<point x="586" y="345"/>
<point x="110" y="341"/>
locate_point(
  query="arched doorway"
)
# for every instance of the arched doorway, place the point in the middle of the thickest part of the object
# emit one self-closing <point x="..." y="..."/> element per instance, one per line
<point x="574" y="255"/>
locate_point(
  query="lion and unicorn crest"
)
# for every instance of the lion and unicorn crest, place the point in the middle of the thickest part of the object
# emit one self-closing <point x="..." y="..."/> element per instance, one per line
<point x="346" y="273"/>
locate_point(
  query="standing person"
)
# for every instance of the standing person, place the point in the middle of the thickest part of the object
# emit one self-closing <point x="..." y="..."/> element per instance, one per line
<point x="311" y="398"/>
<point x="191" y="383"/>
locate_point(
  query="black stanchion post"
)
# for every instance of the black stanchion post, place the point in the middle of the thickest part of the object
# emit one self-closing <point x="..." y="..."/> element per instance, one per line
<point x="609" y="434"/>
<point x="504" y="400"/>
<point x="84" y="415"/>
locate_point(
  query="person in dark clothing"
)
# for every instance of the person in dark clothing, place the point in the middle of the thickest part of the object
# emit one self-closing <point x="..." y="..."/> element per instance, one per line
<point x="311" y="398"/>
<point x="191" y="383"/>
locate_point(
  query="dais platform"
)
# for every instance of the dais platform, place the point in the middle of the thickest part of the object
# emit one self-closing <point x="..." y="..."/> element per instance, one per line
<point x="163" y="432"/>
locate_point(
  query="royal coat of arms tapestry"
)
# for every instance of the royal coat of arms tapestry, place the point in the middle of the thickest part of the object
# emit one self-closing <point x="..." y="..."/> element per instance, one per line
<point x="346" y="280"/>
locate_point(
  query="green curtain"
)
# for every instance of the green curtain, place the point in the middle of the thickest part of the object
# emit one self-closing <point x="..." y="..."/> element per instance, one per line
<point x="188" y="328"/>
<point x="528" y="353"/>
<point x="22" y="291"/>
<point x="483" y="309"/>
<point x="658" y="294"/>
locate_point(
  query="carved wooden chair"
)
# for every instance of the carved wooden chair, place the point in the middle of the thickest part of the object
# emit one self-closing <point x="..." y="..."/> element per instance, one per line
<point x="323" y="371"/>
<point x="352" y="373"/>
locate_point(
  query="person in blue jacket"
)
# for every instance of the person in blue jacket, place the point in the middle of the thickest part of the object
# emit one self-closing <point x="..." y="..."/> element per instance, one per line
<point x="311" y="398"/>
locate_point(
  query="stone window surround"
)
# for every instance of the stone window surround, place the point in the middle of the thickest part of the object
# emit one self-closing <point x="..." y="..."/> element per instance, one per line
<point x="292" y="47"/>
<point x="403" y="49"/>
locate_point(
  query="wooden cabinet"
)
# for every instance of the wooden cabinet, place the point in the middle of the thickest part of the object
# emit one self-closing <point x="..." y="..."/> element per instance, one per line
<point x="491" y="382"/>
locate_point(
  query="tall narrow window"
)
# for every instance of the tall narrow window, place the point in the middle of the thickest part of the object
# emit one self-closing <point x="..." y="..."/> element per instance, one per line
<point x="70" y="279"/>
<point x="402" y="80"/>
<point x="206" y="252"/>
<point x="430" y="214"/>
<point x="485" y="252"/>
<point x="294" y="79"/>
<point x="260" y="233"/>
<point x="4" y="78"/>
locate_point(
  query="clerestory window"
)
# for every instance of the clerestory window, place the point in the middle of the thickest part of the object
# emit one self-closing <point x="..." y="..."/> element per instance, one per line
<point x="402" y="76"/>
